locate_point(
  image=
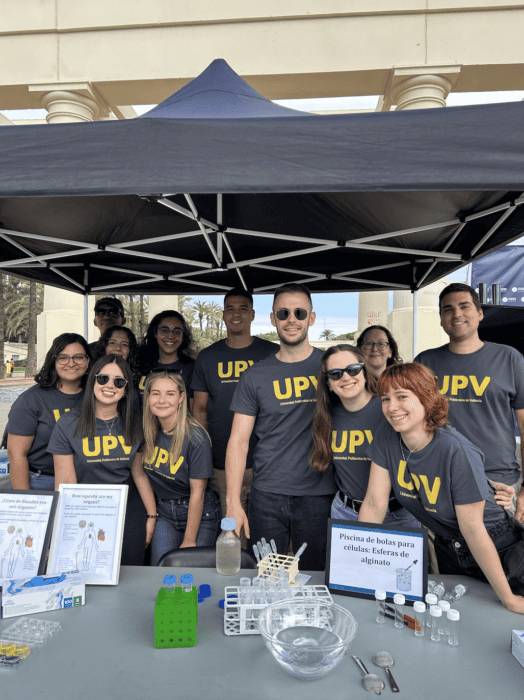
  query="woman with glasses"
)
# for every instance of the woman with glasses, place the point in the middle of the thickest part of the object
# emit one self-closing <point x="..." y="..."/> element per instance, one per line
<point x="347" y="416"/>
<point x="101" y="444"/>
<point x="59" y="388"/>
<point x="379" y="349"/>
<point x="439" y="476"/>
<point x="167" y="346"/>
<point x="119" y="340"/>
<point x="178" y="460"/>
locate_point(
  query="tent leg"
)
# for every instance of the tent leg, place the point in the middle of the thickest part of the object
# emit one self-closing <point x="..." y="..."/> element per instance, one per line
<point x="86" y="315"/>
<point x="415" y="323"/>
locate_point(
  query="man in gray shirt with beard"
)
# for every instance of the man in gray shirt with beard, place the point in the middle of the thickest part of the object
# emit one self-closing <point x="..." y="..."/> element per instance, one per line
<point x="275" y="399"/>
<point x="484" y="384"/>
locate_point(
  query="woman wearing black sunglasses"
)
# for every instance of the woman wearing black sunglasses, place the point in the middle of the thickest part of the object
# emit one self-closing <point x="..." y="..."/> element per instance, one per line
<point x="347" y="415"/>
<point x="101" y="444"/>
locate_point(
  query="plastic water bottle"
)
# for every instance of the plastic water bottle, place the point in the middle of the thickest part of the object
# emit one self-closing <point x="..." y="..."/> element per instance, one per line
<point x="455" y="593"/>
<point x="228" y="549"/>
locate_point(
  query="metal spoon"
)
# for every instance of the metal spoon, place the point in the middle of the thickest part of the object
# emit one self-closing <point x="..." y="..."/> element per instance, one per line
<point x="370" y="682"/>
<point x="385" y="660"/>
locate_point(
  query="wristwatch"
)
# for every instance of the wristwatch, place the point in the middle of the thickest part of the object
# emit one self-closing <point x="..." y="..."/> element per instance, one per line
<point x="152" y="516"/>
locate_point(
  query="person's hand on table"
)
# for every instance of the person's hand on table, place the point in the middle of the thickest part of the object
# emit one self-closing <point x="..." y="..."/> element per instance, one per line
<point x="520" y="506"/>
<point x="515" y="604"/>
<point x="240" y="516"/>
<point x="503" y="494"/>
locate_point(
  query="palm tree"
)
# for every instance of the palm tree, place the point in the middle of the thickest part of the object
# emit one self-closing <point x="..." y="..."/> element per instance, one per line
<point x="30" y="368"/>
<point x="201" y="308"/>
<point x="327" y="334"/>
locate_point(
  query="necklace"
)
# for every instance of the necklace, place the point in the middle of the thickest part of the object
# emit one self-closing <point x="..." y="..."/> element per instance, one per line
<point x="417" y="447"/>
<point x="110" y="427"/>
<point x="168" y="432"/>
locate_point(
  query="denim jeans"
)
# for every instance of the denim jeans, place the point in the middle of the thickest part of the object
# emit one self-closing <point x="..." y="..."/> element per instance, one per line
<point x="399" y="518"/>
<point x="171" y="524"/>
<point x="297" y="519"/>
<point x="41" y="482"/>
<point x="454" y="557"/>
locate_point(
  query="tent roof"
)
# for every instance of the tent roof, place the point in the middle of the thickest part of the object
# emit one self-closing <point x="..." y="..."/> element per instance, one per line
<point x="195" y="205"/>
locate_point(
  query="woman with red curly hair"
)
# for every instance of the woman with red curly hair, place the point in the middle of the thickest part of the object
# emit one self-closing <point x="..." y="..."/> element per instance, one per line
<point x="438" y="475"/>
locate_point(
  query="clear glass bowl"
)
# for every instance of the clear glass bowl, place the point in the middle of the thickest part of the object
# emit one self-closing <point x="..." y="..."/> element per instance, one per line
<point x="308" y="639"/>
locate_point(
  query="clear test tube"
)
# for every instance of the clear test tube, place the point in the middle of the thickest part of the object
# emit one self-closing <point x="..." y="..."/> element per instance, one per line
<point x="443" y="627"/>
<point x="431" y="599"/>
<point x="399" y="600"/>
<point x="380" y="598"/>
<point x="435" y="613"/>
<point x="187" y="582"/>
<point x="169" y="582"/>
<point x="453" y="621"/>
<point x="420" y="617"/>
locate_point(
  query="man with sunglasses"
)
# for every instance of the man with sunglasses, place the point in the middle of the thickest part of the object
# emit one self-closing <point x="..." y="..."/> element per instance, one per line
<point x="109" y="312"/>
<point x="215" y="377"/>
<point x="484" y="384"/>
<point x="275" y="399"/>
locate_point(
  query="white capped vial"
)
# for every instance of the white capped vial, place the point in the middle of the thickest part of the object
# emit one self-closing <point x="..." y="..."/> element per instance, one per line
<point x="431" y="599"/>
<point x="435" y="613"/>
<point x="443" y="627"/>
<point x="399" y="600"/>
<point x="453" y="621"/>
<point x="380" y="598"/>
<point x="420" y="617"/>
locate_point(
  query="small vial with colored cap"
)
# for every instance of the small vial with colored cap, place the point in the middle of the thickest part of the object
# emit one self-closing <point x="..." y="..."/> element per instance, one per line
<point x="187" y="582"/>
<point x="169" y="582"/>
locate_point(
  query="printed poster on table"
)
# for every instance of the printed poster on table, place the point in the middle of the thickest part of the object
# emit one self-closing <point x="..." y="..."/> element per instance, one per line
<point x="365" y="557"/>
<point x="26" y="522"/>
<point x="88" y="532"/>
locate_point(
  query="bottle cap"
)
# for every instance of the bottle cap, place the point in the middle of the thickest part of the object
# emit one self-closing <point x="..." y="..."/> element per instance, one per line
<point x="435" y="611"/>
<point x="186" y="578"/>
<point x="419" y="606"/>
<point x="453" y="615"/>
<point x="380" y="595"/>
<point x="431" y="599"/>
<point x="170" y="579"/>
<point x="399" y="599"/>
<point x="444" y="604"/>
<point x="228" y="524"/>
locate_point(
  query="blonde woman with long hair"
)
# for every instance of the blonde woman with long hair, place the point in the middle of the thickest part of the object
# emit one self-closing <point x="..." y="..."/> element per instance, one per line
<point x="178" y="460"/>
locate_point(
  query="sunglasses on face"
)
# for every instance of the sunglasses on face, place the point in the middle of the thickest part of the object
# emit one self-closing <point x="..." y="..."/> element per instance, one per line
<point x="165" y="330"/>
<point x="369" y="344"/>
<point x="112" y="313"/>
<point x="299" y="314"/>
<point x="119" y="382"/>
<point x="352" y="371"/>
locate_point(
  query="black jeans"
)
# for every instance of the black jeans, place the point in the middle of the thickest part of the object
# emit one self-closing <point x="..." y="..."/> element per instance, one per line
<point x="454" y="557"/>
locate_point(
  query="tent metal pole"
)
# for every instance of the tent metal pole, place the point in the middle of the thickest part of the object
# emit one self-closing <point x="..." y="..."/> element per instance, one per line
<point x="86" y="315"/>
<point x="415" y="322"/>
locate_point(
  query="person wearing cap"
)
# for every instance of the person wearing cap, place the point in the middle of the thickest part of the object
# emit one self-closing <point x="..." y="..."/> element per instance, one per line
<point x="108" y="312"/>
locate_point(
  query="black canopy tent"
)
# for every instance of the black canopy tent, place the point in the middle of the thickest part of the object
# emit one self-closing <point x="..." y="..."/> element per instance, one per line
<point x="218" y="186"/>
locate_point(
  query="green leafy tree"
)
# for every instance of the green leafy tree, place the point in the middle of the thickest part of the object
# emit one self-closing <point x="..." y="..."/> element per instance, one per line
<point x="272" y="335"/>
<point x="327" y="334"/>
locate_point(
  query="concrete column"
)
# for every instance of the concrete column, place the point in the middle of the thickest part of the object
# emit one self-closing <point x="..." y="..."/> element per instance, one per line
<point x="64" y="107"/>
<point x="158" y="303"/>
<point x="373" y="310"/>
<point x="63" y="313"/>
<point x="421" y="92"/>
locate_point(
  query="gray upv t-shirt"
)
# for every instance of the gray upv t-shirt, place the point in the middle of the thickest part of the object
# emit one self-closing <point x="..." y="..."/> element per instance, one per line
<point x="282" y="396"/>
<point x="482" y="388"/>
<point x="352" y="434"/>
<point x="35" y="412"/>
<point x="447" y="472"/>
<point x="104" y="460"/>
<point x="217" y="372"/>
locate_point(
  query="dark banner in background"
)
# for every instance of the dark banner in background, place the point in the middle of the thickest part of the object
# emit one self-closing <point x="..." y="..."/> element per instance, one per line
<point x="504" y="267"/>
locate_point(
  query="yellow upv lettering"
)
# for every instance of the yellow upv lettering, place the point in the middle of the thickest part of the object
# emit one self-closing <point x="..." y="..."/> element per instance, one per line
<point x="343" y="441"/>
<point x="479" y="390"/>
<point x="127" y="448"/>
<point x="288" y="392"/>
<point x="301" y="384"/>
<point x="173" y="468"/>
<point x="432" y="494"/>
<point x="458" y="382"/>
<point x="109" y="442"/>
<point x="401" y="480"/>
<point x="223" y="374"/>
<point x="240" y="366"/>
<point x="96" y="447"/>
<point x="163" y="456"/>
<point x="356" y="438"/>
<point x="56" y="413"/>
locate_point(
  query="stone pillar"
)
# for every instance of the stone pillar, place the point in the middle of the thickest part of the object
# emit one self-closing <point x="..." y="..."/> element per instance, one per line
<point x="158" y="303"/>
<point x="63" y="313"/>
<point x="64" y="107"/>
<point x="423" y="87"/>
<point x="373" y="310"/>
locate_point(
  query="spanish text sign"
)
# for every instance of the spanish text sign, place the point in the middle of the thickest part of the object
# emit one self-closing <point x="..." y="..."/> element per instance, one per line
<point x="365" y="557"/>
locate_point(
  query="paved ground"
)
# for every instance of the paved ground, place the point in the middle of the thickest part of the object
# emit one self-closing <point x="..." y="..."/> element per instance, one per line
<point x="10" y="389"/>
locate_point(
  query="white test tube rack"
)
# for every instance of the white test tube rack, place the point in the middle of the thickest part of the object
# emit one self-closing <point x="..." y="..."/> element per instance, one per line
<point x="269" y="568"/>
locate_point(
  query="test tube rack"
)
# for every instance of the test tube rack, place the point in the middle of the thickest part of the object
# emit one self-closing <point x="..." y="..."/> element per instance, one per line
<point x="269" y="567"/>
<point x="242" y="618"/>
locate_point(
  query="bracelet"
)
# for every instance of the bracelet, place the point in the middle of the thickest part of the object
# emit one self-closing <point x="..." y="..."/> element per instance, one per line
<point x="152" y="516"/>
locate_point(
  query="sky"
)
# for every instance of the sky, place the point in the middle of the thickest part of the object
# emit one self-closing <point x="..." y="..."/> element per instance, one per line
<point x="336" y="312"/>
